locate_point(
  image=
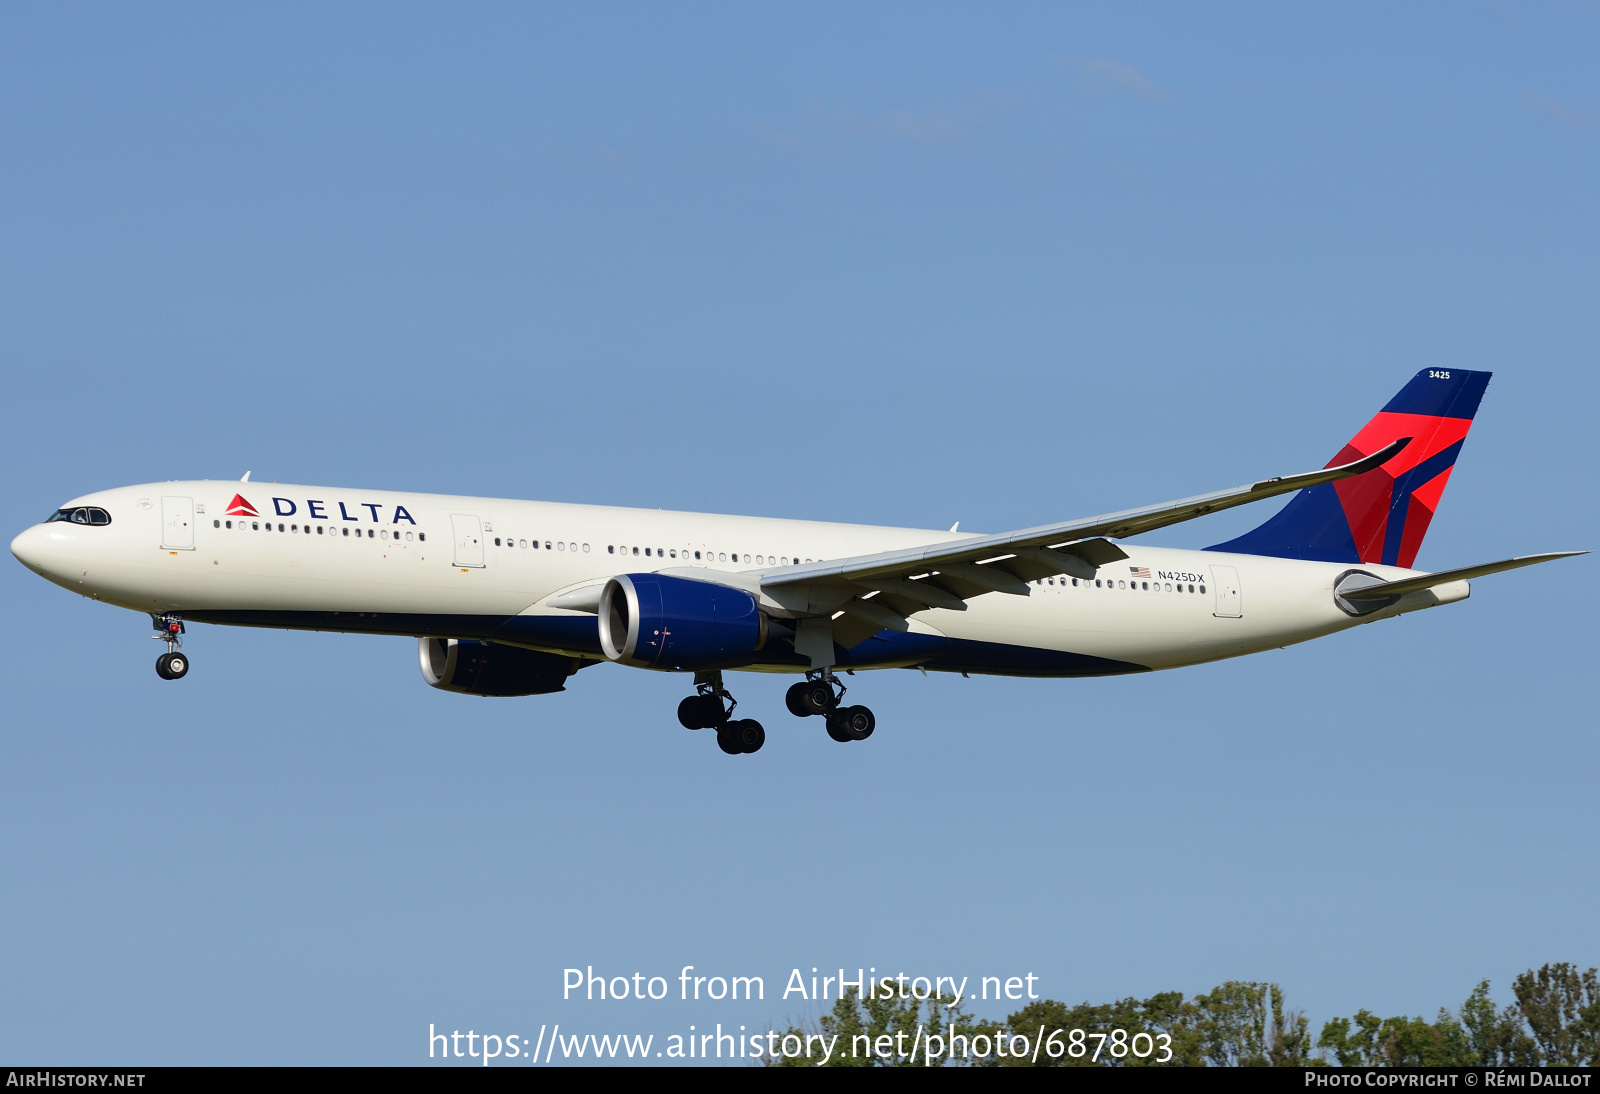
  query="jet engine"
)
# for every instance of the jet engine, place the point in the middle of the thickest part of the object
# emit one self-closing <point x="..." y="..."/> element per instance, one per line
<point x="485" y="668"/>
<point x="657" y="622"/>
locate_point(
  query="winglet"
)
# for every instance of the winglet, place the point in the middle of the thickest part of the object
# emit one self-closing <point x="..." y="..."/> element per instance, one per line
<point x="1349" y="470"/>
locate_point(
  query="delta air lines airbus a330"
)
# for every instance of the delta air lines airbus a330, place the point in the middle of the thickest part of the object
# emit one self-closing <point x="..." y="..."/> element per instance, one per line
<point x="514" y="597"/>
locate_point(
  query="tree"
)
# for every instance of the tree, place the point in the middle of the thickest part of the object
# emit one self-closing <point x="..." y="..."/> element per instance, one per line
<point x="1562" y="1009"/>
<point x="856" y="1025"/>
<point x="1494" y="1038"/>
<point x="1553" y="1023"/>
<point x="1234" y="1024"/>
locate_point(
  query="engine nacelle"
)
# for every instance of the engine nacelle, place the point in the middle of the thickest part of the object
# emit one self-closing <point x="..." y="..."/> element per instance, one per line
<point x="484" y="668"/>
<point x="657" y="622"/>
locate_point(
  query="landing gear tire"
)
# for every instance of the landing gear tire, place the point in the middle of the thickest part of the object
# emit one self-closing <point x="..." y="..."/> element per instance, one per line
<point x="851" y="724"/>
<point x="172" y="666"/>
<point x="701" y="712"/>
<point x="795" y="700"/>
<point x="815" y="696"/>
<point x="750" y="734"/>
<point x="859" y="722"/>
<point x="744" y="735"/>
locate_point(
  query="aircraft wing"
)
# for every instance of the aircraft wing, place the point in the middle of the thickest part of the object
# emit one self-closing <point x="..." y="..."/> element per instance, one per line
<point x="884" y="588"/>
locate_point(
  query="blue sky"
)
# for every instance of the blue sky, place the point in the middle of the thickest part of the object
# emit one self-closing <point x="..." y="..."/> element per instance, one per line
<point x="892" y="264"/>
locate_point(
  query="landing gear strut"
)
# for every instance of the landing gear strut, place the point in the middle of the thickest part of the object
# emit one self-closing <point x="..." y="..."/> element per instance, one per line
<point x="171" y="665"/>
<point x="822" y="693"/>
<point x="705" y="710"/>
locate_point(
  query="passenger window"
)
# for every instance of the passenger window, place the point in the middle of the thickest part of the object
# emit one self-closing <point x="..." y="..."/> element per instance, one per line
<point x="647" y="552"/>
<point x="1202" y="590"/>
<point x="636" y="551"/>
<point x="230" y="524"/>
<point x="319" y="532"/>
<point x="585" y="548"/>
<point x="216" y="524"/>
<point x="697" y="554"/>
<point x="522" y="544"/>
<point x="422" y="536"/>
<point x="1097" y="583"/>
<point x="722" y="558"/>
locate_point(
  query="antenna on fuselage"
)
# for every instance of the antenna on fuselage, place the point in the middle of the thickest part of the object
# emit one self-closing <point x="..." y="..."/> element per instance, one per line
<point x="245" y="477"/>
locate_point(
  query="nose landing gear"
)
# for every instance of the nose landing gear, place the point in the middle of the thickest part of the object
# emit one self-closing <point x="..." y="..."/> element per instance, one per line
<point x="705" y="710"/>
<point x="171" y="665"/>
<point x="821" y="693"/>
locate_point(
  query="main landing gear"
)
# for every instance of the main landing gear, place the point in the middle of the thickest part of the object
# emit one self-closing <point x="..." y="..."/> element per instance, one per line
<point x="705" y="710"/>
<point x="171" y="665"/>
<point x="821" y="694"/>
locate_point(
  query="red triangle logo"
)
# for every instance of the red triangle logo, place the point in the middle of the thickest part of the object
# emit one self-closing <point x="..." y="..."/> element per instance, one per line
<point x="238" y="507"/>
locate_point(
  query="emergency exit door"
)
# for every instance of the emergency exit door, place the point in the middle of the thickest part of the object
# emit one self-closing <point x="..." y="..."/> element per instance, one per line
<point x="1225" y="582"/>
<point x="469" y="539"/>
<point x="177" y="524"/>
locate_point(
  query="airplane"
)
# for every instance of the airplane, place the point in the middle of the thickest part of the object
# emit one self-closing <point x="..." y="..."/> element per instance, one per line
<point x="511" y="598"/>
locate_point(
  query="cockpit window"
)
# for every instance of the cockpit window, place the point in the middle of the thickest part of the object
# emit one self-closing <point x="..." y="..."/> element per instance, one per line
<point x="82" y="514"/>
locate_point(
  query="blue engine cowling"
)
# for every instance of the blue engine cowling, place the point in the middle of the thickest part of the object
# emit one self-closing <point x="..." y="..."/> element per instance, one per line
<point x="488" y="668"/>
<point x="657" y="622"/>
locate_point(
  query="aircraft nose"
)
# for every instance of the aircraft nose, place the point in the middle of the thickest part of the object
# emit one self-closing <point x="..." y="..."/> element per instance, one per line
<point x="32" y="549"/>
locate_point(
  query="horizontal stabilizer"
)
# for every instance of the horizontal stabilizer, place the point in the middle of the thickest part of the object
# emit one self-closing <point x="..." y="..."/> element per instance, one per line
<point x="1405" y="585"/>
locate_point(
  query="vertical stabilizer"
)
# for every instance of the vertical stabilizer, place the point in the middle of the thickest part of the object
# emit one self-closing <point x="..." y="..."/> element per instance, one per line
<point x="1381" y="516"/>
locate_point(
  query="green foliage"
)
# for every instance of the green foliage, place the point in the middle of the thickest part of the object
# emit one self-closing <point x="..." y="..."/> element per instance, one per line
<point x="1239" y="1023"/>
<point x="856" y="1028"/>
<point x="1562" y="1009"/>
<point x="1553" y="1023"/>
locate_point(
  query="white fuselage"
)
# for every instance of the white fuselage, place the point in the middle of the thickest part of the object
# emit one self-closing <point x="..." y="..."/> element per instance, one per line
<point x="460" y="566"/>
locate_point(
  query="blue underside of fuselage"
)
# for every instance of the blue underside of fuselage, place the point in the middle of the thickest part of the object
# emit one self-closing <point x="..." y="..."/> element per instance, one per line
<point x="580" y="634"/>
